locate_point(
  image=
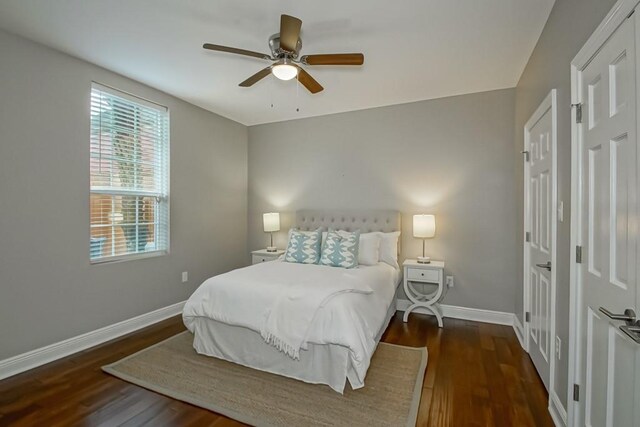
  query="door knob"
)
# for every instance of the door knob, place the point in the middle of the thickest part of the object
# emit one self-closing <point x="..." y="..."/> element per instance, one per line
<point x="547" y="265"/>
<point x="629" y="315"/>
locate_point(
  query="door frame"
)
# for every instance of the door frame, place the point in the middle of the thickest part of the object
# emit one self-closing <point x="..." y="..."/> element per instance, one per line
<point x="550" y="103"/>
<point x="616" y="16"/>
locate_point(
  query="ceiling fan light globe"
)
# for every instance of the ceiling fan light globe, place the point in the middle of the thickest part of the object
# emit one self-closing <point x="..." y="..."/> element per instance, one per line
<point x="284" y="71"/>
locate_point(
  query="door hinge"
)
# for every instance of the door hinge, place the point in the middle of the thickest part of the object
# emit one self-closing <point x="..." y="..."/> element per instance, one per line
<point x="526" y="155"/>
<point x="527" y="236"/>
<point x="578" y="112"/>
<point x="579" y="254"/>
<point x="576" y="393"/>
<point x="527" y="317"/>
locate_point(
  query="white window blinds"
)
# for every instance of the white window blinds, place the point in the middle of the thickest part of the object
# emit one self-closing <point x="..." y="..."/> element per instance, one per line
<point x="129" y="213"/>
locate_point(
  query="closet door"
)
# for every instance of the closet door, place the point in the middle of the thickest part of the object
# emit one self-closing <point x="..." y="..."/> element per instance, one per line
<point x="610" y="349"/>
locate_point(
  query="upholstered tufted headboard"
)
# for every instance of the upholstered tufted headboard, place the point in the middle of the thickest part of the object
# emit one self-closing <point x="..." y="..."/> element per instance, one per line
<point x="364" y="220"/>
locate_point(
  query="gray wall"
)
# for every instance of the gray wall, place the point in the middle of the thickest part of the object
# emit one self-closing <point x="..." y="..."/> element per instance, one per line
<point x="451" y="157"/>
<point x="48" y="289"/>
<point x="569" y="26"/>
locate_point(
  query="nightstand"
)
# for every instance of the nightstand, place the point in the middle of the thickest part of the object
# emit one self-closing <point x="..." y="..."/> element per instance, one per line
<point x="432" y="273"/>
<point x="262" y="255"/>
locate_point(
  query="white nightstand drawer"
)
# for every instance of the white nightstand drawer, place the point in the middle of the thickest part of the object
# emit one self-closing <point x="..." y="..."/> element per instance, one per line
<point x="261" y="258"/>
<point x="262" y="255"/>
<point x="423" y="275"/>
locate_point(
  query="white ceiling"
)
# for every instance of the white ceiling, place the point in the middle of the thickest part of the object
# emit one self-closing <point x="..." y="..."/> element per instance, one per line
<point x="414" y="49"/>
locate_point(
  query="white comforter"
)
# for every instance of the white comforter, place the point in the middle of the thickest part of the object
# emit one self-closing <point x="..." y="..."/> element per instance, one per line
<point x="246" y="297"/>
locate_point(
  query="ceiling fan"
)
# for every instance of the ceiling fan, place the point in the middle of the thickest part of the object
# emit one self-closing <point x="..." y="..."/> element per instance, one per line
<point x="285" y="48"/>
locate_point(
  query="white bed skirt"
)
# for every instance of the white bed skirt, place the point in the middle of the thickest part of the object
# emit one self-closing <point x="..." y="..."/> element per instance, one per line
<point x="320" y="364"/>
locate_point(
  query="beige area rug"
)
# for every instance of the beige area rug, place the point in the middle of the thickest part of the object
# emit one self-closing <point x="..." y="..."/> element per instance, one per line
<point x="390" y="397"/>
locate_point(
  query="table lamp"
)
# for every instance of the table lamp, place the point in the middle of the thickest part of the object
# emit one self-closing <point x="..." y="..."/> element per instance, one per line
<point x="424" y="227"/>
<point x="271" y="223"/>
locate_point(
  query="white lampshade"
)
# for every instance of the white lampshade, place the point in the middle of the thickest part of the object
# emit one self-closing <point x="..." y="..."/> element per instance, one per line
<point x="271" y="222"/>
<point x="284" y="71"/>
<point x="424" y="226"/>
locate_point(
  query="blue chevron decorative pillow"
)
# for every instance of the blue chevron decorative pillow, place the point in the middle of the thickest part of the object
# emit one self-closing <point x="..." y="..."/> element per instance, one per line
<point x="304" y="246"/>
<point x="341" y="249"/>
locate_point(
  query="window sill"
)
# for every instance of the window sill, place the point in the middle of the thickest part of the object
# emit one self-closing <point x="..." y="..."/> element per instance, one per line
<point x="129" y="257"/>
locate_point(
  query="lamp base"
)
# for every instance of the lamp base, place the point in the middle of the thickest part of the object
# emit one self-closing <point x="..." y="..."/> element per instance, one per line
<point x="424" y="260"/>
<point x="272" y="249"/>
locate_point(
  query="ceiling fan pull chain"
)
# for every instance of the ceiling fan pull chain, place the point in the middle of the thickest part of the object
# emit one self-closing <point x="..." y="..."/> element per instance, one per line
<point x="271" y="92"/>
<point x="297" y="93"/>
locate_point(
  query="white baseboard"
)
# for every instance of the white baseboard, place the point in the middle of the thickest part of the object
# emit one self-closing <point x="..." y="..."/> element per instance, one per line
<point x="464" y="313"/>
<point x="519" y="330"/>
<point x="557" y="411"/>
<point x="40" y="356"/>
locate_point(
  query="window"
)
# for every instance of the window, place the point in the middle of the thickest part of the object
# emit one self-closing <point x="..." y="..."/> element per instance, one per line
<point x="129" y="213"/>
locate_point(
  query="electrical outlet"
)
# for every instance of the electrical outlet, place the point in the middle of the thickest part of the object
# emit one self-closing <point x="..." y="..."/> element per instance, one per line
<point x="185" y="276"/>
<point x="558" y="346"/>
<point x="449" y="281"/>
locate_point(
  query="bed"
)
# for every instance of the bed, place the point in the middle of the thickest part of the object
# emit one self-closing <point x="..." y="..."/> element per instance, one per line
<point x="226" y="313"/>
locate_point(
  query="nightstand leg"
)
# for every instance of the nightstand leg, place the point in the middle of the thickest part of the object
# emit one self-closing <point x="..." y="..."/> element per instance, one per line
<point x="405" y="318"/>
<point x="436" y="312"/>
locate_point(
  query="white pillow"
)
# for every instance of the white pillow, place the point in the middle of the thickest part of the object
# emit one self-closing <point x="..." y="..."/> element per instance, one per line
<point x="389" y="248"/>
<point x="369" y="251"/>
<point x="369" y="248"/>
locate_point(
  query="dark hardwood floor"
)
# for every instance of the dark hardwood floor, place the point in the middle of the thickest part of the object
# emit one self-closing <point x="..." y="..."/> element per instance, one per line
<point x="477" y="375"/>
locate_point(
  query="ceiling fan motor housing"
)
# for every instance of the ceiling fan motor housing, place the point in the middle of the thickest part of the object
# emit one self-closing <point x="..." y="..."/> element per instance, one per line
<point x="278" y="52"/>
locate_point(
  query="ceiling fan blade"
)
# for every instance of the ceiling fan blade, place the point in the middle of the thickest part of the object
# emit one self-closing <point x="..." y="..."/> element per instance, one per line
<point x="289" y="32"/>
<point x="256" y="77"/>
<point x="334" y="59"/>
<point x="309" y="82"/>
<point x="236" y="51"/>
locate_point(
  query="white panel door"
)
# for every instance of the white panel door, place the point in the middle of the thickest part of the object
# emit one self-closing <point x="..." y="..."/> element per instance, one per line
<point x="540" y="194"/>
<point x="609" y="359"/>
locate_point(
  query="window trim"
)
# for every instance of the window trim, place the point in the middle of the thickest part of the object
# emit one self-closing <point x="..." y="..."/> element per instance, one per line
<point x="129" y="96"/>
<point x="144" y="255"/>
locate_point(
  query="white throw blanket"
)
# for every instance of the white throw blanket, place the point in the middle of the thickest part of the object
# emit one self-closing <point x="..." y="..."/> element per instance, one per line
<point x="288" y="321"/>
